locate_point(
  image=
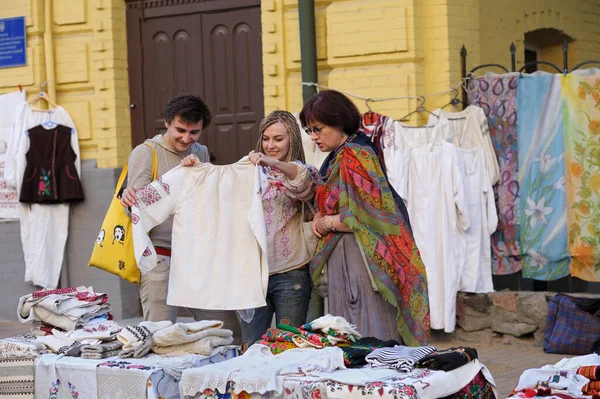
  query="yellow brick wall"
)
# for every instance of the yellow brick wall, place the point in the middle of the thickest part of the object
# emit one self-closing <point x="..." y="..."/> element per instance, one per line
<point x="383" y="48"/>
<point x="367" y="47"/>
<point x="90" y="55"/>
<point x="500" y="23"/>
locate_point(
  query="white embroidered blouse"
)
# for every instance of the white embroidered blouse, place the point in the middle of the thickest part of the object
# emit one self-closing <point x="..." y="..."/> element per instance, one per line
<point x="282" y="203"/>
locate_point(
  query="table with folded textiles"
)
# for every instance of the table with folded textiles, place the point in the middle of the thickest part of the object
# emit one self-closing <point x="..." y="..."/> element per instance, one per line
<point x="152" y="376"/>
<point x="328" y="358"/>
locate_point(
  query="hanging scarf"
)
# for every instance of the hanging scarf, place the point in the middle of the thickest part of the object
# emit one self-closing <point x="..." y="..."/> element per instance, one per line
<point x="356" y="188"/>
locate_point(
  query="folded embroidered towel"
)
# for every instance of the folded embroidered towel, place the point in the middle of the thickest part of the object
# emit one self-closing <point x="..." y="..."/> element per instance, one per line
<point x="137" y="351"/>
<point x="202" y="346"/>
<point x="103" y="347"/>
<point x="132" y="336"/>
<point x="182" y="333"/>
<point x="98" y="355"/>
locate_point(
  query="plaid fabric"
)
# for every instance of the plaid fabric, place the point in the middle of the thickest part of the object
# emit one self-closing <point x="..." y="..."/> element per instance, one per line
<point x="570" y="330"/>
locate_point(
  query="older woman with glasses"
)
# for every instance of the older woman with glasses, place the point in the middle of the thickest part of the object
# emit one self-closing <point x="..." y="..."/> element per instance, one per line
<point x="376" y="278"/>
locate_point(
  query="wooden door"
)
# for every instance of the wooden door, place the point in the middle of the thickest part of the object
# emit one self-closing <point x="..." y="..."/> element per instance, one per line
<point x="212" y="49"/>
<point x="233" y="82"/>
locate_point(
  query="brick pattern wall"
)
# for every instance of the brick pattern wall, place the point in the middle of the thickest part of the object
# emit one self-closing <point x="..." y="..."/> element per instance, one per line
<point x="383" y="48"/>
<point x="91" y="70"/>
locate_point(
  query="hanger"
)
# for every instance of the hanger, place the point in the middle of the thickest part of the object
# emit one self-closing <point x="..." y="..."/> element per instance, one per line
<point x="368" y="106"/>
<point x="42" y="95"/>
<point x="455" y="100"/>
<point x="369" y="116"/>
<point x="420" y="108"/>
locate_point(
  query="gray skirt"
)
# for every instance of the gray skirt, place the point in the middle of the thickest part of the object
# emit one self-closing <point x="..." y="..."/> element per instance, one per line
<point x="351" y="295"/>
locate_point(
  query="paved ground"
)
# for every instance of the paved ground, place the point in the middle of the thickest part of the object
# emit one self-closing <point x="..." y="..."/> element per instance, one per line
<point x="506" y="362"/>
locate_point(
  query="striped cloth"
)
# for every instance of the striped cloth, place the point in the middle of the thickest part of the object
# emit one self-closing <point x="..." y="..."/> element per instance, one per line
<point x="399" y="358"/>
<point x="17" y="378"/>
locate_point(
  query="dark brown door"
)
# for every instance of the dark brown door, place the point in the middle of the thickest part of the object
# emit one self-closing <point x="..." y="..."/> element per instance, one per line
<point x="233" y="82"/>
<point x="172" y="49"/>
<point x="203" y="49"/>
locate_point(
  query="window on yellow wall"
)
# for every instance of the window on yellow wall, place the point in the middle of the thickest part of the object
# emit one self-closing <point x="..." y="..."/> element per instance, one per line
<point x="546" y="44"/>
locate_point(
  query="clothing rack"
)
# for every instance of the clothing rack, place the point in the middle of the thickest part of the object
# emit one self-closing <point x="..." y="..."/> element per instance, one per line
<point x="467" y="76"/>
<point x="367" y="100"/>
<point x="516" y="282"/>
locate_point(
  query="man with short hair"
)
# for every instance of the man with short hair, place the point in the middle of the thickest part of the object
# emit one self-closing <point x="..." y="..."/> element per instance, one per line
<point x="185" y="118"/>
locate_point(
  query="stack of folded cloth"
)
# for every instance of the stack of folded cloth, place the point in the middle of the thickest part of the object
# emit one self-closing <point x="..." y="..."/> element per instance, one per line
<point x="96" y="340"/>
<point x="399" y="357"/>
<point x="137" y="340"/>
<point x="101" y="350"/>
<point x="64" y="308"/>
<point x="200" y="337"/>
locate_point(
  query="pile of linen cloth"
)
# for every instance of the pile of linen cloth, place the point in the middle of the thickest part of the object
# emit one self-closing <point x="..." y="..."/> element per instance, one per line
<point x="64" y="308"/>
<point x="166" y="338"/>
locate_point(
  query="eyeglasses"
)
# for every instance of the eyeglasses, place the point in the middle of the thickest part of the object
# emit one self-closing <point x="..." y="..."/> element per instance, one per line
<point x="316" y="130"/>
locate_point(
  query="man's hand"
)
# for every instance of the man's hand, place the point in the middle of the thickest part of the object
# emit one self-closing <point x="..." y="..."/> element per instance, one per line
<point x="128" y="198"/>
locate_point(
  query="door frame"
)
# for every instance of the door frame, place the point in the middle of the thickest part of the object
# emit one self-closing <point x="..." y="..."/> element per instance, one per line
<point x="136" y="12"/>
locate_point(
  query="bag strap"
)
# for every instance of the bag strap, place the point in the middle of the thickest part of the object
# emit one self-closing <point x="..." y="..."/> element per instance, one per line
<point x="121" y="179"/>
<point x="126" y="168"/>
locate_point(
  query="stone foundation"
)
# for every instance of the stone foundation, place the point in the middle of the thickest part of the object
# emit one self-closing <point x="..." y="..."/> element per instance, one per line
<point x="507" y="317"/>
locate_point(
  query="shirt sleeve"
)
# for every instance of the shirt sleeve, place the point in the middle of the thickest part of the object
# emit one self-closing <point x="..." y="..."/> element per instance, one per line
<point x="155" y="203"/>
<point x="463" y="219"/>
<point x="203" y="154"/>
<point x="17" y="133"/>
<point x="303" y="187"/>
<point x="491" y="162"/>
<point x="490" y="205"/>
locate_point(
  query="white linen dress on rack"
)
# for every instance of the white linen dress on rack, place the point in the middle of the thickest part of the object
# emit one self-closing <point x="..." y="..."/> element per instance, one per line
<point x="44" y="227"/>
<point x="423" y="168"/>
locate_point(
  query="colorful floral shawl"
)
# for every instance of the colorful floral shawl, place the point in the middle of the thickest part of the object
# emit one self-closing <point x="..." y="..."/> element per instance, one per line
<point x="356" y="187"/>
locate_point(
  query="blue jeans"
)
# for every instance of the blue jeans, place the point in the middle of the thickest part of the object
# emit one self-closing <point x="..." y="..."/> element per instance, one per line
<point x="288" y="296"/>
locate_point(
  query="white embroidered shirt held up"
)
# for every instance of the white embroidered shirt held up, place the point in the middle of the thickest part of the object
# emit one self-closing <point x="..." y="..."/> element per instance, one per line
<point x="219" y="244"/>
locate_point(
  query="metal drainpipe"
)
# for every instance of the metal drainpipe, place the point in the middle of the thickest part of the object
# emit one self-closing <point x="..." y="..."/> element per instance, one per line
<point x="308" y="47"/>
<point x="51" y="90"/>
<point x="49" y="51"/>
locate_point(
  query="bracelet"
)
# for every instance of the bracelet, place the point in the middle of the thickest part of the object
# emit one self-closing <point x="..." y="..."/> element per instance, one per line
<point x="332" y="226"/>
<point x="323" y="224"/>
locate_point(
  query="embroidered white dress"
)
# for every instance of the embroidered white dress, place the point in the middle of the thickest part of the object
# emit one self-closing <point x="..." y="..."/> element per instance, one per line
<point x="44" y="228"/>
<point x="219" y="243"/>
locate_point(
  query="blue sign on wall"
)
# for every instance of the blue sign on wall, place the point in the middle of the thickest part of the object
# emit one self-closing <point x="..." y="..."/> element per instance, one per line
<point x="13" y="45"/>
